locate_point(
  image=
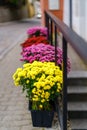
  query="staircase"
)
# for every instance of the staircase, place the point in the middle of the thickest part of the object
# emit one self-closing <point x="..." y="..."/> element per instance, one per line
<point x="77" y="100"/>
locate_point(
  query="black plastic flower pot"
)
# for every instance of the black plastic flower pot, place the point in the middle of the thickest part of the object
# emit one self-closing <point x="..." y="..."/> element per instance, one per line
<point x="42" y="118"/>
<point x="53" y="105"/>
<point x="30" y="105"/>
<point x="51" y="102"/>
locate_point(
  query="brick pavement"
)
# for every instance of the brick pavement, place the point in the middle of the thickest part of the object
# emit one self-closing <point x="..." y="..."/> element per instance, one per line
<point x="14" y="114"/>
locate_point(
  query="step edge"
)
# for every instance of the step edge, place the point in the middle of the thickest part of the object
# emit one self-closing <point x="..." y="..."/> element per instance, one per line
<point x="77" y="74"/>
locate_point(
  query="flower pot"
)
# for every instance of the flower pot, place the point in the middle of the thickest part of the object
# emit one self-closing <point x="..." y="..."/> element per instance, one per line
<point x="30" y="105"/>
<point x="53" y="105"/>
<point x="51" y="102"/>
<point x="42" y="118"/>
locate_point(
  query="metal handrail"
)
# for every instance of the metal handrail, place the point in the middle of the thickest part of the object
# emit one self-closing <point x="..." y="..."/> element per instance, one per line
<point x="79" y="45"/>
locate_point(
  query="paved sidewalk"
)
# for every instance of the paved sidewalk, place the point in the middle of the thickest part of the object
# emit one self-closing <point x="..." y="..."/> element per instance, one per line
<point x="12" y="32"/>
<point x="14" y="114"/>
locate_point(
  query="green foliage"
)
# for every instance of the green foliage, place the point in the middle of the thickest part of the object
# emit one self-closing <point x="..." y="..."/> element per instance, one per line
<point x="15" y="3"/>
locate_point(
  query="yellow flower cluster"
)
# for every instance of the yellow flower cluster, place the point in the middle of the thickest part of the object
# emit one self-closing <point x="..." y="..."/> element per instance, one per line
<point x="42" y="81"/>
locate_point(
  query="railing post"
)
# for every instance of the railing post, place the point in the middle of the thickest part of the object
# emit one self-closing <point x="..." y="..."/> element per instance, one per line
<point x="47" y="25"/>
<point x="55" y="33"/>
<point x="45" y="19"/>
<point x="51" y="31"/>
<point x="64" y="84"/>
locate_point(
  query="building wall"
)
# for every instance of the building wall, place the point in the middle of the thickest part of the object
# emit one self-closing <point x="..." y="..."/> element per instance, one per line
<point x="57" y="13"/>
<point x="31" y="9"/>
<point x="7" y="14"/>
<point x="44" y="6"/>
<point x="79" y="16"/>
<point x="66" y="12"/>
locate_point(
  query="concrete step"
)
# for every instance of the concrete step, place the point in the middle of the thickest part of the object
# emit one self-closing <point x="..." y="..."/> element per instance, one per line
<point x="77" y="78"/>
<point x="77" y="93"/>
<point x="77" y="81"/>
<point x="79" y="124"/>
<point x="77" y="110"/>
<point x="77" y="74"/>
<point x="77" y="106"/>
<point x="77" y="89"/>
<point x="77" y="99"/>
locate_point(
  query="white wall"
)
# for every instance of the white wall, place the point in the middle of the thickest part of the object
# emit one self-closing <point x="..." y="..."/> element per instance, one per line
<point x="66" y="12"/>
<point x="83" y="19"/>
<point x="79" y="16"/>
<point x="86" y="22"/>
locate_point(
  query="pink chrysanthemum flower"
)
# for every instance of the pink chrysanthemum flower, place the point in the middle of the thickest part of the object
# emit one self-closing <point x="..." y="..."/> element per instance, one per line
<point x="37" y="31"/>
<point x="43" y="53"/>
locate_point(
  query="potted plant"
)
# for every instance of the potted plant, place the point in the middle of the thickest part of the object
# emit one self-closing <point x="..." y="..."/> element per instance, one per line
<point x="34" y="40"/>
<point x="42" y="82"/>
<point x="43" y="52"/>
<point x="37" y="31"/>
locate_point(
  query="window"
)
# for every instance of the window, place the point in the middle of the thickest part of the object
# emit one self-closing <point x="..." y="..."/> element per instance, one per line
<point x="54" y="4"/>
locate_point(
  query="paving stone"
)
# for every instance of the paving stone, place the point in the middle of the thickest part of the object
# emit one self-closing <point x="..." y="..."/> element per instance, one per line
<point x="16" y="123"/>
<point x="11" y="128"/>
<point x="30" y="127"/>
<point x="2" y="108"/>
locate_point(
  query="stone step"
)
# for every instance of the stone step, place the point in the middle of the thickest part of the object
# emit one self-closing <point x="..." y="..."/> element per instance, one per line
<point x="77" y="81"/>
<point x="77" y="99"/>
<point x="77" y="74"/>
<point x="77" y="106"/>
<point x="77" y="93"/>
<point x="79" y="124"/>
<point x="77" y="109"/>
<point x="77" y="78"/>
<point x="77" y="89"/>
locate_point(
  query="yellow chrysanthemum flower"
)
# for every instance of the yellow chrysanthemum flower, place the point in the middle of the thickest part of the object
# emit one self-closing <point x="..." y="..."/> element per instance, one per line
<point x="41" y="106"/>
<point x="39" y="80"/>
<point x="47" y="94"/>
<point x="43" y="100"/>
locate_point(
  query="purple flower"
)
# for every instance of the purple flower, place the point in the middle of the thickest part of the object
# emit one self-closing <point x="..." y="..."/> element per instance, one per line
<point x="37" y="31"/>
<point x="42" y="52"/>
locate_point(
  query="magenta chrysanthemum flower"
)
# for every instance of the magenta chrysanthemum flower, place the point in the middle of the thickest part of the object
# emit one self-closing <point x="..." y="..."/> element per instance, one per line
<point x="37" y="31"/>
<point x="43" y="53"/>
